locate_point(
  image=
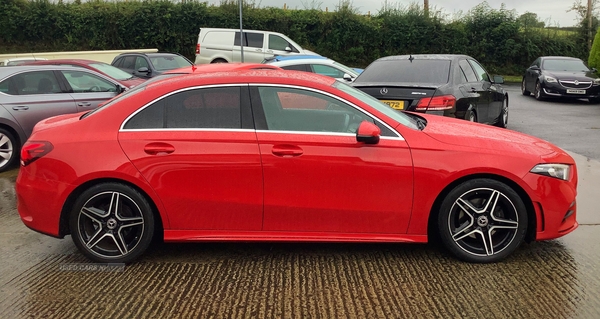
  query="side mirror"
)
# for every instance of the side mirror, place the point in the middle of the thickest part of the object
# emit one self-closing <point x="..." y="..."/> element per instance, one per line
<point x="368" y="133"/>
<point x="594" y="70"/>
<point x="534" y="67"/>
<point x="288" y="49"/>
<point x="348" y="77"/>
<point x="120" y="89"/>
<point x="143" y="70"/>
<point x="498" y="79"/>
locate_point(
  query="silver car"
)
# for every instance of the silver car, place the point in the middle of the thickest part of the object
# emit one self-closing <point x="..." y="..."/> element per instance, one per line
<point x="29" y="94"/>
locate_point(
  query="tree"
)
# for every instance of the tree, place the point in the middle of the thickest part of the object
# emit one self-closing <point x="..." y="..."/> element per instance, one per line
<point x="530" y="20"/>
<point x="594" y="58"/>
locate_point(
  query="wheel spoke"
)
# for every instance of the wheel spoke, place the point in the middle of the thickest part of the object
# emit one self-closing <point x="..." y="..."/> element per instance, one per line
<point x="94" y="213"/>
<point x="6" y="154"/>
<point x="504" y="223"/>
<point x="130" y="222"/>
<point x="96" y="238"/>
<point x="488" y="244"/>
<point x="120" y="242"/>
<point x="491" y="203"/>
<point x="114" y="203"/>
<point x="4" y="139"/>
<point x="464" y="231"/>
<point x="467" y="207"/>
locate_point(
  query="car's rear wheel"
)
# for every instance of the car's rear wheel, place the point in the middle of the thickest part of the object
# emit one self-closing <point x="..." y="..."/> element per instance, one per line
<point x="9" y="150"/>
<point x="482" y="221"/>
<point x="524" y="88"/>
<point x="538" y="94"/>
<point x="471" y="116"/>
<point x="112" y="223"/>
<point x="219" y="61"/>
<point x="503" y="117"/>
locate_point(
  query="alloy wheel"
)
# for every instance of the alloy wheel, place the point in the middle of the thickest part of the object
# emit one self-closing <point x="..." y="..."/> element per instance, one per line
<point x="6" y="150"/>
<point x="110" y="225"/>
<point x="483" y="222"/>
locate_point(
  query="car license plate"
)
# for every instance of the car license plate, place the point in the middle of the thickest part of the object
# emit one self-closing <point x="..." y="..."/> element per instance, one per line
<point x="573" y="91"/>
<point x="396" y="105"/>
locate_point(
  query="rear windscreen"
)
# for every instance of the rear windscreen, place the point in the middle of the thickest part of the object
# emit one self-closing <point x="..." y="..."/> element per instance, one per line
<point x="415" y="71"/>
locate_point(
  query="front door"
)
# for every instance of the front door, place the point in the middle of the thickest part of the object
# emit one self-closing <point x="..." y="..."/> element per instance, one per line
<point x="198" y="150"/>
<point x="317" y="177"/>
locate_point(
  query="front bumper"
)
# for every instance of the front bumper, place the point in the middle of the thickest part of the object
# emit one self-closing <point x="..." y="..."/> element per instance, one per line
<point x="558" y="90"/>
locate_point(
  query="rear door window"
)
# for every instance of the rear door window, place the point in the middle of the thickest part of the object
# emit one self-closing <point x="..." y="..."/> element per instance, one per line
<point x="467" y="71"/>
<point x="193" y="109"/>
<point x="299" y="67"/>
<point x="251" y="39"/>
<point x="38" y="82"/>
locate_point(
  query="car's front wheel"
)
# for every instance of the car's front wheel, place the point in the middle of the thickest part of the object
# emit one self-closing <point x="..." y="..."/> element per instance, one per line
<point x="9" y="150"/>
<point x="524" y="88"/>
<point x="471" y="116"/>
<point x="482" y="220"/>
<point x="111" y="223"/>
<point x="538" y="94"/>
<point x="503" y="117"/>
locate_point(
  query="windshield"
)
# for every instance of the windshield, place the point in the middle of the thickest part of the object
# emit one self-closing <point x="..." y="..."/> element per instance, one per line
<point x="564" y="65"/>
<point x="169" y="62"/>
<point x="407" y="71"/>
<point x="128" y="93"/>
<point x="376" y="104"/>
<point x="346" y="69"/>
<point x="111" y="71"/>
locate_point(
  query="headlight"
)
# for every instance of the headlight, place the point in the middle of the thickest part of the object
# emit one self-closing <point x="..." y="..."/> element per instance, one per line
<point x="560" y="171"/>
<point x="550" y="79"/>
<point x="596" y="81"/>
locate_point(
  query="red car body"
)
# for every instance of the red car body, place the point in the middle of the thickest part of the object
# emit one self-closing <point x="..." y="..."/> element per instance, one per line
<point x="128" y="81"/>
<point x="260" y="184"/>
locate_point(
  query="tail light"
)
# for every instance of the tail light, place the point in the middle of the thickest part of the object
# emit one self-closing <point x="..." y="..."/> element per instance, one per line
<point x="436" y="103"/>
<point x="198" y="48"/>
<point x="32" y="150"/>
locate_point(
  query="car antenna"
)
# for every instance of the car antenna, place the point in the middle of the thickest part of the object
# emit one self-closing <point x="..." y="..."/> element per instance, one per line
<point x="411" y="58"/>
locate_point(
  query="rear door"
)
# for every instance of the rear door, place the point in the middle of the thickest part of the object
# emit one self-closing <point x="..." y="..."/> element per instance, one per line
<point x="198" y="150"/>
<point x="88" y="90"/>
<point x="488" y="108"/>
<point x="34" y="96"/>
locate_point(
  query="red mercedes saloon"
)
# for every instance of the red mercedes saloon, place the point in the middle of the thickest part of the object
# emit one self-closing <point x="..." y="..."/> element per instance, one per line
<point x="274" y="155"/>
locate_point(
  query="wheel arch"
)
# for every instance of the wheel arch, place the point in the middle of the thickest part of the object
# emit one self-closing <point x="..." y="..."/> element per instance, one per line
<point x="433" y="232"/>
<point x="18" y="134"/>
<point x="70" y="201"/>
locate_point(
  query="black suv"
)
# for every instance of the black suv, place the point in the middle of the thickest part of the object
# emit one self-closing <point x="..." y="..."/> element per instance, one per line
<point x="450" y="85"/>
<point x="147" y="65"/>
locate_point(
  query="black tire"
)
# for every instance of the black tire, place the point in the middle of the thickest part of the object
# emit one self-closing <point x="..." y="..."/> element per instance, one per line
<point x="523" y="89"/>
<point x="538" y="93"/>
<point x="468" y="224"/>
<point x="9" y="150"/>
<point x="112" y="223"/>
<point x="219" y="61"/>
<point x="502" y="120"/>
<point x="471" y="116"/>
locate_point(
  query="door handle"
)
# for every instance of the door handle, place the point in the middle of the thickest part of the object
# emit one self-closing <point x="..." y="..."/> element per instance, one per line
<point x="258" y="50"/>
<point x="84" y="104"/>
<point x="20" y="108"/>
<point x="287" y="150"/>
<point x="473" y="90"/>
<point x="157" y="148"/>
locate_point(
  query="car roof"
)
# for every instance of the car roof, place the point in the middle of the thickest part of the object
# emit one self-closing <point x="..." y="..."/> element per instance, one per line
<point x="276" y="58"/>
<point x="559" y="58"/>
<point x="301" y="61"/>
<point x="6" y="71"/>
<point x="424" y="57"/>
<point x="248" y="76"/>
<point x="220" y="67"/>
<point x="64" y="61"/>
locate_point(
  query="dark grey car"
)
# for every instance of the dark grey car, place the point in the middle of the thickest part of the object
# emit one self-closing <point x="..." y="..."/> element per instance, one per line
<point x="147" y="65"/>
<point x="450" y="85"/>
<point x="29" y="94"/>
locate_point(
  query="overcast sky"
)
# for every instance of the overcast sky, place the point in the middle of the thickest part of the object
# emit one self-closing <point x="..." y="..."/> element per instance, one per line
<point x="553" y="12"/>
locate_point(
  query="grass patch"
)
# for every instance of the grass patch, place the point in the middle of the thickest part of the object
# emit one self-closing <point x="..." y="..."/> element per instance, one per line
<point x="512" y="78"/>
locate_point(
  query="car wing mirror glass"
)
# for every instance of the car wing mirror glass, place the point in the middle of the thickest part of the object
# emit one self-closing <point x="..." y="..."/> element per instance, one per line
<point x="368" y="133"/>
<point x="348" y="77"/>
<point x="288" y="49"/>
<point x="143" y="70"/>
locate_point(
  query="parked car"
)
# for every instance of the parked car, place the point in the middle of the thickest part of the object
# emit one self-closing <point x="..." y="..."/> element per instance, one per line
<point x="273" y="155"/>
<point x="19" y="61"/>
<point x="450" y="85"/>
<point x="147" y="65"/>
<point x="223" y="45"/>
<point x="29" y="94"/>
<point x="126" y="79"/>
<point x="206" y="68"/>
<point x="559" y="76"/>
<point x="314" y="64"/>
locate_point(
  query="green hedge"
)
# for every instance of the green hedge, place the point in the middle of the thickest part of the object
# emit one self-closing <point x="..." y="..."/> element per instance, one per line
<point x="492" y="36"/>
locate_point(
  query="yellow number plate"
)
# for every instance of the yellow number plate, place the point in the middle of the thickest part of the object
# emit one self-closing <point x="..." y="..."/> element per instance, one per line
<point x="396" y="105"/>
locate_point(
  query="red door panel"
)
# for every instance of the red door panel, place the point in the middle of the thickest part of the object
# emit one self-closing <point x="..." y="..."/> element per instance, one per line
<point x="332" y="183"/>
<point x="205" y="179"/>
